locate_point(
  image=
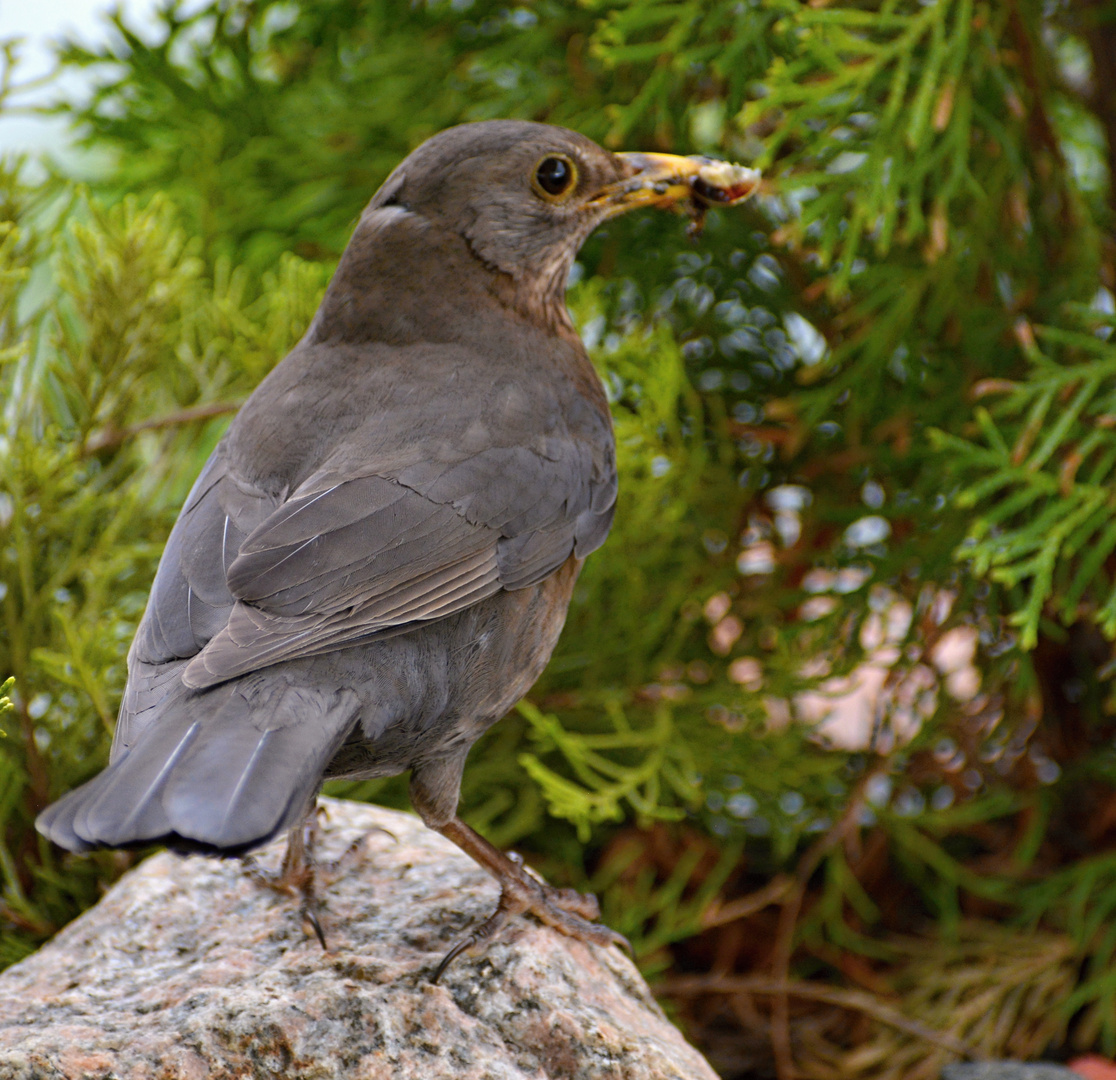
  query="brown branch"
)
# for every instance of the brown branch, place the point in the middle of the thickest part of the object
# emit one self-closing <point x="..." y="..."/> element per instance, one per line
<point x="1038" y="119"/>
<point x="26" y="922"/>
<point x="1045" y="147"/>
<point x="109" y="438"/>
<point x="854" y="1000"/>
<point x="1100" y="36"/>
<point x="773" y="892"/>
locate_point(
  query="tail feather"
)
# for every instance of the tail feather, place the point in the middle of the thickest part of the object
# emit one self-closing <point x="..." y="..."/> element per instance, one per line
<point x="56" y="822"/>
<point x="224" y="770"/>
<point x="281" y="755"/>
<point x="126" y="806"/>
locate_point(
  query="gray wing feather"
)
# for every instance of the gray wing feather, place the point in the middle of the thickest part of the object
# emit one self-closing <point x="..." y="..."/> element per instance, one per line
<point x="190" y="598"/>
<point x="345" y="559"/>
<point x="528" y="558"/>
<point x="251" y="579"/>
<point x="255" y="639"/>
<point x="314" y="562"/>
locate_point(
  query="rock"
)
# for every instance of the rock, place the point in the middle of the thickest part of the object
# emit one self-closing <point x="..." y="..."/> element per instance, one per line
<point x="188" y="968"/>
<point x="1008" y="1070"/>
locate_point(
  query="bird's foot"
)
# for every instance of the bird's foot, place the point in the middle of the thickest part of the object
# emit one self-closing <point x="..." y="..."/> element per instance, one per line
<point x="300" y="872"/>
<point x="566" y="910"/>
<point x="297" y="872"/>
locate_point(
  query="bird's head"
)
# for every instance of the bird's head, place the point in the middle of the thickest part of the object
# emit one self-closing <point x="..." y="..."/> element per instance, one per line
<point x="495" y="212"/>
<point x="525" y="196"/>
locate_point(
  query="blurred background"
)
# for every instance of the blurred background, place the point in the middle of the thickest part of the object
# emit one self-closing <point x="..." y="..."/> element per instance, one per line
<point x="831" y="727"/>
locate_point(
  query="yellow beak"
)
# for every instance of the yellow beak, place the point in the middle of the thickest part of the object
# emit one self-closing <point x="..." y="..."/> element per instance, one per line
<point x="668" y="179"/>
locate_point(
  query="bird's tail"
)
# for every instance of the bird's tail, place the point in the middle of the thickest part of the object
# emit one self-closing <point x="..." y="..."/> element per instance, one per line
<point x="223" y="770"/>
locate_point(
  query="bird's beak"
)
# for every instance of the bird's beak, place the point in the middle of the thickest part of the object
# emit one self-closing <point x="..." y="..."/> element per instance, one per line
<point x="669" y="180"/>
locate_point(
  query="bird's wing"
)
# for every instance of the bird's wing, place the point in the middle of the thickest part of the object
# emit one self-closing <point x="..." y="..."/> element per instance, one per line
<point x="190" y="598"/>
<point x="346" y="557"/>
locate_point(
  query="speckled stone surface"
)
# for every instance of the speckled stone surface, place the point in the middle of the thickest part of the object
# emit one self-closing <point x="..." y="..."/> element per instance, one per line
<point x="1008" y="1070"/>
<point x="188" y="968"/>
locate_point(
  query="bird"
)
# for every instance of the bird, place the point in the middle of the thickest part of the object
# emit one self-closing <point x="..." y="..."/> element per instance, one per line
<point x="375" y="563"/>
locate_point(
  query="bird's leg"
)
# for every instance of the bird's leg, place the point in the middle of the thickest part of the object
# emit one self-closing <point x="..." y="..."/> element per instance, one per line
<point x="435" y="786"/>
<point x="297" y="872"/>
<point x="566" y="910"/>
<point x="300" y="871"/>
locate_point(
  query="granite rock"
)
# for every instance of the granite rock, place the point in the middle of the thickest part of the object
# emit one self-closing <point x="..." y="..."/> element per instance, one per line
<point x="189" y="968"/>
<point x="1008" y="1070"/>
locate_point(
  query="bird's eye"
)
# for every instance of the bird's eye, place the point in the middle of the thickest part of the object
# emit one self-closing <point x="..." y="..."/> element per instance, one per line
<point x="555" y="176"/>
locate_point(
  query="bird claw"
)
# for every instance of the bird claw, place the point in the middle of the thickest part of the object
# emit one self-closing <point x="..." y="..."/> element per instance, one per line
<point x="566" y="910"/>
<point x="302" y="882"/>
<point x="299" y="871"/>
<point x="296" y="874"/>
<point x="521" y="890"/>
<point x="309" y="915"/>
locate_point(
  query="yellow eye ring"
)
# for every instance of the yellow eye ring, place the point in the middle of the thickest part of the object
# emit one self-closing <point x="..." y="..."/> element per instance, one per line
<point x="554" y="178"/>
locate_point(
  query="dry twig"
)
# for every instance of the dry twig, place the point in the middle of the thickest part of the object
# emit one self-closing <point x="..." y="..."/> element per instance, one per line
<point x="108" y="438"/>
<point x="855" y="1000"/>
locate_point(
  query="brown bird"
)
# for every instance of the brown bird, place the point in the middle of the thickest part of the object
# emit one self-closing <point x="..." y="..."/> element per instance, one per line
<point x="375" y="563"/>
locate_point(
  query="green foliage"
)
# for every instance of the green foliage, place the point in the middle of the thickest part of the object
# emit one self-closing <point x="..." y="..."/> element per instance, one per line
<point x="656" y="911"/>
<point x="602" y="785"/>
<point x="101" y="440"/>
<point x="1084" y="899"/>
<point x="270" y="123"/>
<point x="1000" y="992"/>
<point x="1042" y="478"/>
<point x="864" y="421"/>
<point x="911" y="95"/>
